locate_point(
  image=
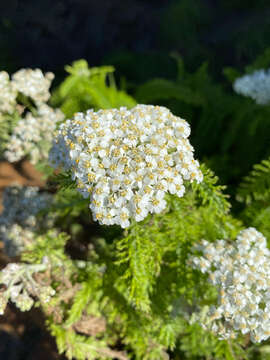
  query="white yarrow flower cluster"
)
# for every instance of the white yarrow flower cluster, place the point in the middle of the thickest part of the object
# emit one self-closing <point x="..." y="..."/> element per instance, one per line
<point x="126" y="160"/>
<point x="7" y="94"/>
<point x="33" y="83"/>
<point x="241" y="271"/>
<point x="18" y="221"/>
<point x="33" y="135"/>
<point x="255" y="85"/>
<point x="30" y="123"/>
<point x="21" y="286"/>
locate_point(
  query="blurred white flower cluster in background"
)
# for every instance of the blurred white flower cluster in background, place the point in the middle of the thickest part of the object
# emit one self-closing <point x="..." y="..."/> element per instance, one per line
<point x="18" y="222"/>
<point x="33" y="84"/>
<point x="35" y="120"/>
<point x="241" y="272"/>
<point x="255" y="85"/>
<point x="126" y="160"/>
<point x="33" y="135"/>
<point x="8" y="94"/>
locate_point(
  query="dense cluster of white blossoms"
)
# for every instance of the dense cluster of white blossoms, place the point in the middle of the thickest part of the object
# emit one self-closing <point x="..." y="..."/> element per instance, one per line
<point x="21" y="286"/>
<point x="18" y="221"/>
<point x="29" y="82"/>
<point x="33" y="135"/>
<point x="126" y="160"/>
<point x="33" y="83"/>
<point x="33" y="132"/>
<point x="241" y="271"/>
<point x="255" y="85"/>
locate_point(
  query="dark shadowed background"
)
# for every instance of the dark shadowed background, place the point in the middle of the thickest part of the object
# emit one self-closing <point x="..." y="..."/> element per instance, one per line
<point x="134" y="35"/>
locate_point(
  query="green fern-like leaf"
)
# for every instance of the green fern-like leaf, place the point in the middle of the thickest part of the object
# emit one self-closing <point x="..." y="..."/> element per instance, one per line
<point x="64" y="180"/>
<point x="83" y="348"/>
<point x="211" y="193"/>
<point x="141" y="254"/>
<point x="256" y="186"/>
<point x="7" y="124"/>
<point x="80" y="302"/>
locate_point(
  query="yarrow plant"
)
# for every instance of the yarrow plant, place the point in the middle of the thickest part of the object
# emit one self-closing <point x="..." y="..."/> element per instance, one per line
<point x="255" y="85"/>
<point x="241" y="272"/>
<point x="131" y="291"/>
<point x="28" y="122"/>
<point x="126" y="160"/>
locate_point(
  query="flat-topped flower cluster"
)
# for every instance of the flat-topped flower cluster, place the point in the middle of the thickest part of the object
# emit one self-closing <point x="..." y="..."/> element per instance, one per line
<point x="241" y="271"/>
<point x="255" y="85"/>
<point x="18" y="221"/>
<point x="126" y="160"/>
<point x="35" y="120"/>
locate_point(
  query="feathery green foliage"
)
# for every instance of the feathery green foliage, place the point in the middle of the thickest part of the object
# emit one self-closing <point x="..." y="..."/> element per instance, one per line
<point x="7" y="124"/>
<point x="256" y="185"/>
<point x="130" y="294"/>
<point x="254" y="191"/>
